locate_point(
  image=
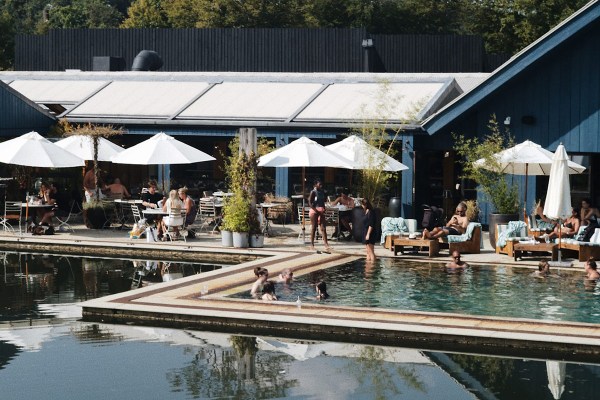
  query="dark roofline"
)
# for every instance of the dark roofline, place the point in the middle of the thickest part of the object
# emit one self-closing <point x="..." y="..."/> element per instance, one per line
<point x="513" y="67"/>
<point x="25" y="100"/>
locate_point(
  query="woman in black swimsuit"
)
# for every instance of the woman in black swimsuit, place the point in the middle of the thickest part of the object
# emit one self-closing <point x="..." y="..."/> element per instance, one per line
<point x="569" y="228"/>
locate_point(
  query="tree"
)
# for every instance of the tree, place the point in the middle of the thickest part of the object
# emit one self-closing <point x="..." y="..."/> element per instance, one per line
<point x="7" y="40"/>
<point x="145" y="14"/>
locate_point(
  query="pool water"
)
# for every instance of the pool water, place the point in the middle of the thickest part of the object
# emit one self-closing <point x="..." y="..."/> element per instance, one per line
<point x="47" y="353"/>
<point x="480" y="290"/>
<point x="30" y="281"/>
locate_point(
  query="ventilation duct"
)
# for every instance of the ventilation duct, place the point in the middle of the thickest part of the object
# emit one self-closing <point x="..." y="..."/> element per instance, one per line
<point x="147" y="60"/>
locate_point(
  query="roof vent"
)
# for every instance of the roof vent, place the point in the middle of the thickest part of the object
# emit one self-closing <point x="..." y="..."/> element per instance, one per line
<point x="147" y="60"/>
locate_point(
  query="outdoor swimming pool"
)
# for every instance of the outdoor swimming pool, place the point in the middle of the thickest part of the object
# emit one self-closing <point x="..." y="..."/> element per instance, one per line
<point x="40" y="330"/>
<point x="480" y="290"/>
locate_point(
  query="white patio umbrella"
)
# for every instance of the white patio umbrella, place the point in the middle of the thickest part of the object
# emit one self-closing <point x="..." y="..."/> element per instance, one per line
<point x="304" y="152"/>
<point x="527" y="158"/>
<point x="33" y="150"/>
<point x="556" y="371"/>
<point x="364" y="155"/>
<point x="83" y="147"/>
<point x="161" y="149"/>
<point x="558" y="196"/>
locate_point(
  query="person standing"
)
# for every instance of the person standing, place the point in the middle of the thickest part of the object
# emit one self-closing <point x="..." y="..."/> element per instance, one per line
<point x="368" y="234"/>
<point x="316" y="201"/>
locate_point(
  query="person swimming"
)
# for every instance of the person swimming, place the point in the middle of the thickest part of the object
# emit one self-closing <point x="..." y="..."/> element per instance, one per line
<point x="543" y="269"/>
<point x="268" y="291"/>
<point x="262" y="274"/>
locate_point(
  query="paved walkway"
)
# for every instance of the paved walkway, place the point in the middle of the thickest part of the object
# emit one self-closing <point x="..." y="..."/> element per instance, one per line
<point x="179" y="303"/>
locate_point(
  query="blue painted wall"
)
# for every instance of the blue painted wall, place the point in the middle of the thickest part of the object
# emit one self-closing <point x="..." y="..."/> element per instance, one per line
<point x="561" y="91"/>
<point x="18" y="116"/>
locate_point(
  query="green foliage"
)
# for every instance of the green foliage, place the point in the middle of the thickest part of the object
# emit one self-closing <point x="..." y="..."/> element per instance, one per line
<point x="7" y="40"/>
<point x="378" y="131"/>
<point x="493" y="184"/>
<point x="239" y="215"/>
<point x="145" y="14"/>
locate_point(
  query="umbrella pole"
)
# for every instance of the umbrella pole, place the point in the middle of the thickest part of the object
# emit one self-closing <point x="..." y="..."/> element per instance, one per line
<point x="303" y="217"/>
<point x="525" y="200"/>
<point x="559" y="239"/>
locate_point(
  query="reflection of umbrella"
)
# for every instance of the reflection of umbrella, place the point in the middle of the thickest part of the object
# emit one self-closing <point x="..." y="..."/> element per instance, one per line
<point x="161" y="149"/>
<point x="527" y="158"/>
<point x="558" y="197"/>
<point x="365" y="156"/>
<point x="28" y="339"/>
<point x="556" y="377"/>
<point x="33" y="150"/>
<point x="83" y="146"/>
<point x="303" y="153"/>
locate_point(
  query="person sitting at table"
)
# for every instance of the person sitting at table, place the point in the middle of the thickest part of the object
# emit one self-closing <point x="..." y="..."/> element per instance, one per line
<point x="345" y="220"/>
<point x="117" y="190"/>
<point x="151" y="198"/>
<point x="47" y="197"/>
<point x="190" y="209"/>
<point x="456" y="226"/>
<point x="569" y="227"/>
<point x="172" y="205"/>
<point x="316" y="201"/>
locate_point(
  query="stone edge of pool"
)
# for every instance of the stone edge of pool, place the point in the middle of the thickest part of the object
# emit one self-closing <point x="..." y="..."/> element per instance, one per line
<point x="177" y="304"/>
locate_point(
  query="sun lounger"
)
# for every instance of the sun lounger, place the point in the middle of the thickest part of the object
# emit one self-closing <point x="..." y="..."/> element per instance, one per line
<point x="469" y="242"/>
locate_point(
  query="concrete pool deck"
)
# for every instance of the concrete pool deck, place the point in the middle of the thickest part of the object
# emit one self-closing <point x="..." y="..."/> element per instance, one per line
<point x="179" y="303"/>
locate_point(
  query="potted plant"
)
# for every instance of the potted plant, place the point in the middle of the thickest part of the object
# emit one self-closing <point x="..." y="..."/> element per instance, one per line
<point x="236" y="218"/>
<point x="257" y="237"/>
<point x="496" y="188"/>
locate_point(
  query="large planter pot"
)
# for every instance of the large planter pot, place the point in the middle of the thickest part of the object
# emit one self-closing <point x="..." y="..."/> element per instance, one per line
<point x="257" y="240"/>
<point x="395" y="207"/>
<point x="227" y="238"/>
<point x="95" y="218"/>
<point x="496" y="219"/>
<point x="240" y="239"/>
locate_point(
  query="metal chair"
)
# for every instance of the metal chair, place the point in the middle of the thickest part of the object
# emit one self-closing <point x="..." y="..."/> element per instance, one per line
<point x="175" y="222"/>
<point x="12" y="212"/>
<point x="135" y="211"/>
<point x="332" y="218"/>
<point x="63" y="221"/>
<point x="208" y="214"/>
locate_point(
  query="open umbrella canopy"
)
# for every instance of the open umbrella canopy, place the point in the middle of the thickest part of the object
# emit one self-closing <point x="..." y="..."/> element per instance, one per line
<point x="364" y="155"/>
<point x="558" y="196"/>
<point x="161" y="149"/>
<point x="527" y="158"/>
<point x="83" y="147"/>
<point x="33" y="150"/>
<point x="304" y="152"/>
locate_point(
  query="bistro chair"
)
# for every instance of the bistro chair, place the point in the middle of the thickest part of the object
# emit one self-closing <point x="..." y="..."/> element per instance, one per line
<point x="135" y="211"/>
<point x="63" y="220"/>
<point x="13" y="211"/>
<point x="175" y="222"/>
<point x="208" y="214"/>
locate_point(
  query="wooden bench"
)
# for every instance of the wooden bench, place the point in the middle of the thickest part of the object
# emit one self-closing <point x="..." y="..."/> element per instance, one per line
<point x="432" y="245"/>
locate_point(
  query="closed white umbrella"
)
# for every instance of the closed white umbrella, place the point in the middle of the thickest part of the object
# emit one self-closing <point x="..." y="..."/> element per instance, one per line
<point x="364" y="155"/>
<point x="558" y="196"/>
<point x="527" y="158"/>
<point x="82" y="146"/>
<point x="33" y="150"/>
<point x="304" y="152"/>
<point x="161" y="149"/>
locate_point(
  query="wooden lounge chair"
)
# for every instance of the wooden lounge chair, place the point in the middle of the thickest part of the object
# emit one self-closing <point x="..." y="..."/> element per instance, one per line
<point x="508" y="248"/>
<point x="584" y="250"/>
<point x="469" y="242"/>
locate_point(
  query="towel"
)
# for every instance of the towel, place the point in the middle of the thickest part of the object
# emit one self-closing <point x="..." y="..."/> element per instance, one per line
<point x="391" y="225"/>
<point x="513" y="229"/>
<point x="465" y="236"/>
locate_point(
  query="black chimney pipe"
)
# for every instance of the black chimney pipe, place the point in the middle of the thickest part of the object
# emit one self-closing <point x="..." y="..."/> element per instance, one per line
<point x="147" y="60"/>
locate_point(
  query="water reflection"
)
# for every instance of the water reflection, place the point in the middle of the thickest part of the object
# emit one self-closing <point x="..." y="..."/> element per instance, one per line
<point x="167" y="363"/>
<point x="29" y="281"/>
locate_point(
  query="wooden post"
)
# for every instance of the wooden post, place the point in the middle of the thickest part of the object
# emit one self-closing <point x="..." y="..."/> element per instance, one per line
<point x="248" y="144"/>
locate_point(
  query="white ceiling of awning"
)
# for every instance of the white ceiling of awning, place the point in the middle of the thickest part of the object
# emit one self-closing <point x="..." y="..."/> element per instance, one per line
<point x="56" y="91"/>
<point x="251" y="100"/>
<point x="142" y="99"/>
<point x="359" y="101"/>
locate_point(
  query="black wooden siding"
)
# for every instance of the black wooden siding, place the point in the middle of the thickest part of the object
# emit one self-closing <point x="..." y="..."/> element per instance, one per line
<point x="252" y="50"/>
